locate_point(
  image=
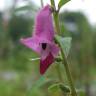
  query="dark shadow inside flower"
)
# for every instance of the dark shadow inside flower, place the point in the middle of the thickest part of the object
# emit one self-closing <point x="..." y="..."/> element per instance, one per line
<point x="44" y="46"/>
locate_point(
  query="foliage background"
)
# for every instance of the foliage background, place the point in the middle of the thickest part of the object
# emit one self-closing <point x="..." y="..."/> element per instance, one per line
<point x="19" y="76"/>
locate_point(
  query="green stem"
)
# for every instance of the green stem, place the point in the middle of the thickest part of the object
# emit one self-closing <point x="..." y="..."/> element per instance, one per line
<point x="65" y="63"/>
<point x="42" y="3"/>
<point x="56" y="20"/>
<point x="56" y="17"/>
<point x="64" y="60"/>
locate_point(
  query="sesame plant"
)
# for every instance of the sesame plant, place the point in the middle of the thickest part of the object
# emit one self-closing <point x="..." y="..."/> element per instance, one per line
<point x="50" y="45"/>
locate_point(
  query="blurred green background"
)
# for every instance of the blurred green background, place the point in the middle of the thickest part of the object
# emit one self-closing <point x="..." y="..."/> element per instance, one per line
<point x="19" y="76"/>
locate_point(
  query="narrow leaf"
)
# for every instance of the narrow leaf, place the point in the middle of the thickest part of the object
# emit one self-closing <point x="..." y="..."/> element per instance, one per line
<point x="59" y="87"/>
<point x="62" y="2"/>
<point x="64" y="88"/>
<point x="53" y="87"/>
<point x="54" y="90"/>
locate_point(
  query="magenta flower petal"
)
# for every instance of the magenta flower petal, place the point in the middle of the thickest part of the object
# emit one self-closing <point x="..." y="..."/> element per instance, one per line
<point x="44" y="25"/>
<point x="31" y="43"/>
<point x="54" y="49"/>
<point x="44" y="64"/>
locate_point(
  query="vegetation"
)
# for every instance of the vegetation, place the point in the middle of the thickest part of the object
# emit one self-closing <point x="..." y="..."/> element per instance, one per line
<point x="19" y="75"/>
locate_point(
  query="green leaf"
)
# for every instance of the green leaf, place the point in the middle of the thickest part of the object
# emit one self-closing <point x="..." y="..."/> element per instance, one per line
<point x="64" y="88"/>
<point x="58" y="89"/>
<point x="65" y="43"/>
<point x="54" y="90"/>
<point x="62" y="2"/>
<point x="54" y="87"/>
<point x="58" y="59"/>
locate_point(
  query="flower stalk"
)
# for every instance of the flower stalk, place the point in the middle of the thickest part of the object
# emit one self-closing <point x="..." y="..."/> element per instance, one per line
<point x="57" y="30"/>
<point x="42" y="4"/>
<point x="64" y="60"/>
<point x="65" y="63"/>
<point x="56" y="17"/>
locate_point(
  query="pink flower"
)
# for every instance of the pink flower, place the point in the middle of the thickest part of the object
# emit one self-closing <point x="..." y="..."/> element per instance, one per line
<point x="42" y="40"/>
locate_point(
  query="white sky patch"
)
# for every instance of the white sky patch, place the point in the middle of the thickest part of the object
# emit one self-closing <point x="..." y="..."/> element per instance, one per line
<point x="1" y="4"/>
<point x="88" y="7"/>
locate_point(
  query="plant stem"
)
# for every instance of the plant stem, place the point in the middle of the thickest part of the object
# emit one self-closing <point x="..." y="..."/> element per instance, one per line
<point x="64" y="61"/>
<point x="42" y="3"/>
<point x="57" y="29"/>
<point x="56" y="17"/>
